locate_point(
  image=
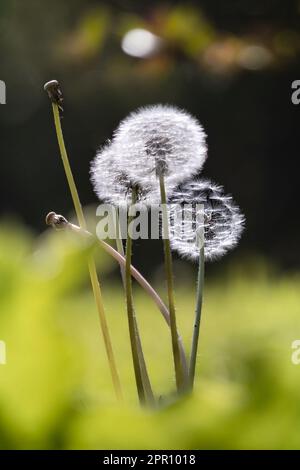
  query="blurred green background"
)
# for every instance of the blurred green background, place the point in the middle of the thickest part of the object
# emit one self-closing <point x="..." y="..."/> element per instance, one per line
<point x="56" y="392"/>
<point x="231" y="64"/>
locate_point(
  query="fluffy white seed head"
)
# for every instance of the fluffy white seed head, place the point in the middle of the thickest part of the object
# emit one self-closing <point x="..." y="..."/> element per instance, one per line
<point x="220" y="220"/>
<point x="160" y="139"/>
<point x="111" y="184"/>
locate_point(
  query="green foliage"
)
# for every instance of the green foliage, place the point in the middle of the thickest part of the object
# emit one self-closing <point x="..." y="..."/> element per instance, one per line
<point x="56" y="391"/>
<point x="187" y="28"/>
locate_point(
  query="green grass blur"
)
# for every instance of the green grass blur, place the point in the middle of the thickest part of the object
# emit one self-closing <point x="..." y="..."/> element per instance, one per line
<point x="56" y="392"/>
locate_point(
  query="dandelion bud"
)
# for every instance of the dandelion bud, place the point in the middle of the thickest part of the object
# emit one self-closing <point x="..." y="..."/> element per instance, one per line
<point x="221" y="221"/>
<point x="159" y="140"/>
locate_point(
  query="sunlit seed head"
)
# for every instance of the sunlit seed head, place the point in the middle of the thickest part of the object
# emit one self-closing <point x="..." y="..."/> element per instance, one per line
<point x="221" y="223"/>
<point x="160" y="139"/>
<point x="111" y="184"/>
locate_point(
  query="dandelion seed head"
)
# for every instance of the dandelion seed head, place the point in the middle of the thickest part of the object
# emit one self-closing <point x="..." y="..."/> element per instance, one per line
<point x="160" y="140"/>
<point x="200" y="206"/>
<point x="112" y="184"/>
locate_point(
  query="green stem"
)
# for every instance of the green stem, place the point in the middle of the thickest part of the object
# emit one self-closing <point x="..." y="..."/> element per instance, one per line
<point x="144" y="372"/>
<point x="132" y="325"/>
<point x="198" y="309"/>
<point x="180" y="378"/>
<point x="67" y="167"/>
<point x="91" y="264"/>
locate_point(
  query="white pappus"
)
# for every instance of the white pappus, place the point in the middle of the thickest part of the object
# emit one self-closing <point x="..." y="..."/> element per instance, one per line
<point x="221" y="220"/>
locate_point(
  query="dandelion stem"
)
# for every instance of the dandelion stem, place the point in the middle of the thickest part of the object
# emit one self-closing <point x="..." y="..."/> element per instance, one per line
<point x="132" y="324"/>
<point x="91" y="263"/>
<point x="144" y="371"/>
<point x="120" y="247"/>
<point x="180" y="378"/>
<point x="198" y="309"/>
<point x="67" y="167"/>
<point x="60" y="222"/>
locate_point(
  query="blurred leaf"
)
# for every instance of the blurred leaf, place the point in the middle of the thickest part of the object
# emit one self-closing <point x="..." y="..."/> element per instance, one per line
<point x="88" y="38"/>
<point x="187" y="27"/>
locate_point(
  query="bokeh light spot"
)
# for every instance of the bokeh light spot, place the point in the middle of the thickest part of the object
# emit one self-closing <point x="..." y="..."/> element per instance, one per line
<point x="140" y="43"/>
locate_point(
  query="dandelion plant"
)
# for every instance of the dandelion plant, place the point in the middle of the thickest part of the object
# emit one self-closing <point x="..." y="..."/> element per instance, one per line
<point x="154" y="158"/>
<point x="206" y="223"/>
<point x="159" y="146"/>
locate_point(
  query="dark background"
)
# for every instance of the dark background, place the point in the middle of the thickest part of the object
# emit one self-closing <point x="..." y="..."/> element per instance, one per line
<point x="230" y="63"/>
